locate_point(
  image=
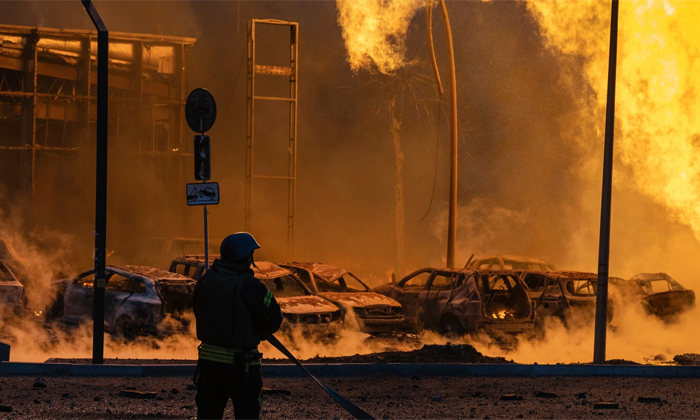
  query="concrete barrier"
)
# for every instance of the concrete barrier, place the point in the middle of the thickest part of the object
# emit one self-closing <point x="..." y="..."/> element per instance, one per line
<point x="359" y="369"/>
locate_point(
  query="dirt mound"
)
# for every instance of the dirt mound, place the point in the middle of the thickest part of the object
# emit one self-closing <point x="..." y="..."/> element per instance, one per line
<point x="429" y="353"/>
<point x="687" y="359"/>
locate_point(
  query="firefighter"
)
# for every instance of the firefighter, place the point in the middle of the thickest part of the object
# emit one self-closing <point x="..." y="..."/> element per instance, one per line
<point x="234" y="312"/>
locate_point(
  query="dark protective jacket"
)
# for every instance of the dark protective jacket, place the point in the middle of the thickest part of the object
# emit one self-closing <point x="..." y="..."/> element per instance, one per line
<point x="233" y="309"/>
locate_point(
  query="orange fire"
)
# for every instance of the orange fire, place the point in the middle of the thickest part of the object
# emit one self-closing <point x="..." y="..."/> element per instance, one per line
<point x="657" y="108"/>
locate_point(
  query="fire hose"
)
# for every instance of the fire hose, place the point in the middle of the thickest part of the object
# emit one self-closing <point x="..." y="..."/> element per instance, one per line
<point x="351" y="408"/>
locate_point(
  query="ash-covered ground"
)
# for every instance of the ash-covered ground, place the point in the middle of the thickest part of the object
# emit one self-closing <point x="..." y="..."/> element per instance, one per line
<point x="381" y="396"/>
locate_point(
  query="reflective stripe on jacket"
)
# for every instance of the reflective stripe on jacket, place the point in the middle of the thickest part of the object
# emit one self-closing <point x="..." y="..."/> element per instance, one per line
<point x="224" y="355"/>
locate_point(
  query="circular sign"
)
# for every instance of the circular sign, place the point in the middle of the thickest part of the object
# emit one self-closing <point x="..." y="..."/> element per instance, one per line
<point x="200" y="110"/>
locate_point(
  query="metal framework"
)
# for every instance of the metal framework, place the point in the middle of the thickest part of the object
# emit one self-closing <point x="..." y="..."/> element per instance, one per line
<point x="48" y="104"/>
<point x="291" y="72"/>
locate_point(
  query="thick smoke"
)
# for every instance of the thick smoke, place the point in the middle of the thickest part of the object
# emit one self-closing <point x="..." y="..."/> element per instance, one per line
<point x="530" y="147"/>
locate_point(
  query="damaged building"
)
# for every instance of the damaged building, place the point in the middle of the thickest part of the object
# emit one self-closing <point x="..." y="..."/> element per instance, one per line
<point x="48" y="121"/>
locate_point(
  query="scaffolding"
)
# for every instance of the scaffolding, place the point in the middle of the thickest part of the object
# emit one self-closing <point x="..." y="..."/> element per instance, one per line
<point x="48" y="107"/>
<point x="290" y="72"/>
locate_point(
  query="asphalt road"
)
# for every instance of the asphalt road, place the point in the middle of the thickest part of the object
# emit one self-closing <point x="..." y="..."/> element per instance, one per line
<point x="384" y="397"/>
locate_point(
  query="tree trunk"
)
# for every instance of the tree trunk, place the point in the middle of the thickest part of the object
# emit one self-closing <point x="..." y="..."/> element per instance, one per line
<point x="399" y="256"/>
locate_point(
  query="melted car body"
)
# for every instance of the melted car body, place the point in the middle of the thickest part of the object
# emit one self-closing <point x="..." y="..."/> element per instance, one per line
<point x="510" y="262"/>
<point x="375" y="312"/>
<point x="661" y="295"/>
<point x="137" y="298"/>
<point x="559" y="293"/>
<point x="300" y="307"/>
<point x="467" y="300"/>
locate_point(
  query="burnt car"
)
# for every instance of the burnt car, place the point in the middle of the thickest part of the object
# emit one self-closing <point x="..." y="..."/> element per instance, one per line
<point x="510" y="262"/>
<point x="13" y="299"/>
<point x="456" y="301"/>
<point x="137" y="299"/>
<point x="300" y="307"/>
<point x="661" y="295"/>
<point x="191" y="265"/>
<point x="566" y="293"/>
<point x="375" y="312"/>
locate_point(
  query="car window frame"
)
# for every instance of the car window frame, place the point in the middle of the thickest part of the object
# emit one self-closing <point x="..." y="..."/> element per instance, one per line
<point x="432" y="271"/>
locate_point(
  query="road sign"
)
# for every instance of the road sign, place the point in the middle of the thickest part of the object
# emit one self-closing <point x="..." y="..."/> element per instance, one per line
<point x="200" y="110"/>
<point x="202" y="194"/>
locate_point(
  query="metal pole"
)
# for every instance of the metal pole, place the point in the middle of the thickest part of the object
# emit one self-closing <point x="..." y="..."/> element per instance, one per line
<point x="98" y="310"/>
<point x="452" y="219"/>
<point x="606" y="201"/>
<point x="206" y="238"/>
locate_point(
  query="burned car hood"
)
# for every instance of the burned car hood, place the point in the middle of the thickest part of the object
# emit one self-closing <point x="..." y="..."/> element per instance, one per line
<point x="360" y="299"/>
<point x="305" y="305"/>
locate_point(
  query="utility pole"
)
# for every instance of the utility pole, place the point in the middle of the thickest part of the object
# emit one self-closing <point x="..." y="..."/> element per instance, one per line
<point x="601" y="307"/>
<point x="452" y="217"/>
<point x="98" y="309"/>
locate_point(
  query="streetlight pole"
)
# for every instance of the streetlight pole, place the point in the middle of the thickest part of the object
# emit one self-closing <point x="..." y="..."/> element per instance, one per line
<point x="452" y="217"/>
<point x="98" y="309"/>
<point x="606" y="201"/>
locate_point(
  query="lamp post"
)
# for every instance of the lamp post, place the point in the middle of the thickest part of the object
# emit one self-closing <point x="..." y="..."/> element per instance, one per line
<point x="601" y="307"/>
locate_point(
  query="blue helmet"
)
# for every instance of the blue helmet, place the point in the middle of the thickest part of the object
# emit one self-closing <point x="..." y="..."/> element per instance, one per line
<point x="238" y="246"/>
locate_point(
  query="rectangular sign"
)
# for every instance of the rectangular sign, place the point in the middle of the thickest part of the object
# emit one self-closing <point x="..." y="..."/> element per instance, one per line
<point x="203" y="194"/>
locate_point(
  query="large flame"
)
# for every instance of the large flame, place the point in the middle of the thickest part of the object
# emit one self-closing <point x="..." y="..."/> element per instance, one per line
<point x="658" y="109"/>
<point x="375" y="32"/>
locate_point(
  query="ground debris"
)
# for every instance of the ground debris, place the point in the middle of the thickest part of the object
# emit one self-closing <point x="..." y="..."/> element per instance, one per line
<point x="511" y="397"/>
<point x="5" y="408"/>
<point x="649" y="400"/>
<point x="38" y="383"/>
<point x="582" y="395"/>
<point x="132" y="393"/>
<point x="606" y="406"/>
<point x="268" y="391"/>
<point x="437" y="398"/>
<point x="540" y="394"/>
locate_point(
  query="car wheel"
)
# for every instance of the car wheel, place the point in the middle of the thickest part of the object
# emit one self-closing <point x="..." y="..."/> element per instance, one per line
<point x="450" y="325"/>
<point x="125" y="328"/>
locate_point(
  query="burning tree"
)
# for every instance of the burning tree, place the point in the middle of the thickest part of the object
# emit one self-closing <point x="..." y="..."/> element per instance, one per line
<point x="375" y="36"/>
<point x="375" y="32"/>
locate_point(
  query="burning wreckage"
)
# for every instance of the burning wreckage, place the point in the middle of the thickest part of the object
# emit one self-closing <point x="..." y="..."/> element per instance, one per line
<point x="661" y="295"/>
<point x="300" y="307"/>
<point x="457" y="301"/>
<point x="565" y="294"/>
<point x="137" y="299"/>
<point x="318" y="297"/>
<point x="373" y="311"/>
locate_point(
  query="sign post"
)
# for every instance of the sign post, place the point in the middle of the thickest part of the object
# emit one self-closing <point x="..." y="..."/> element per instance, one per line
<point x="200" y="113"/>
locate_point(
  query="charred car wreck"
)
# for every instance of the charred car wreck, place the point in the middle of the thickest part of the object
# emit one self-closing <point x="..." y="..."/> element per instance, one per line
<point x="564" y="294"/>
<point x="300" y="308"/>
<point x="375" y="312"/>
<point x="661" y="295"/>
<point x="137" y="299"/>
<point x="455" y="301"/>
